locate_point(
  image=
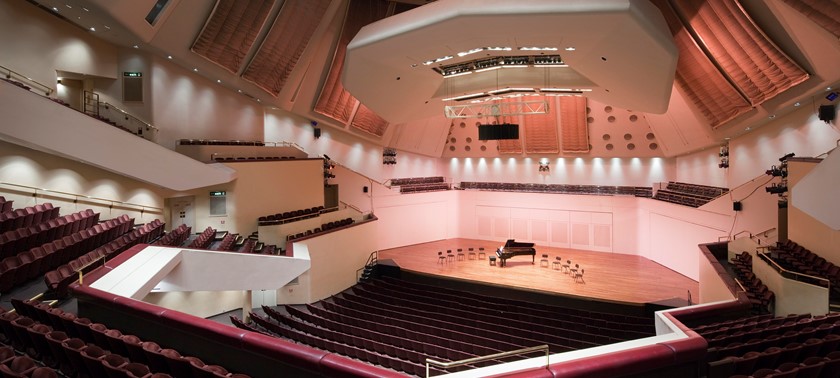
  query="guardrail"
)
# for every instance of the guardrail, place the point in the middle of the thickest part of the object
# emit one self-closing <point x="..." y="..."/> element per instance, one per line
<point x="10" y="74"/>
<point x="82" y="197"/>
<point x="796" y="276"/>
<point x="447" y="365"/>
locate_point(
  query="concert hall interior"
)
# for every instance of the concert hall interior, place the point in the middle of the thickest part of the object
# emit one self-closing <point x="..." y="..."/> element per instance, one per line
<point x="390" y="188"/>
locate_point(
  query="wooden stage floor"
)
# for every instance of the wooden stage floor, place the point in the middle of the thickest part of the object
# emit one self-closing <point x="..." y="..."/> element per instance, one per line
<point x="611" y="277"/>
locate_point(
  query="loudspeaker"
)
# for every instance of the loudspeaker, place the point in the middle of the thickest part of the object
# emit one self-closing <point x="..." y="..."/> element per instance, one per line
<point x="827" y="113"/>
<point x="737" y="206"/>
<point x="317" y="132"/>
<point x="364" y="189"/>
<point x="498" y="132"/>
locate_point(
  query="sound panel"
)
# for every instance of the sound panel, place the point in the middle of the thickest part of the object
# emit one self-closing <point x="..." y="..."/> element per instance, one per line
<point x="133" y="89"/>
<point x="498" y="132"/>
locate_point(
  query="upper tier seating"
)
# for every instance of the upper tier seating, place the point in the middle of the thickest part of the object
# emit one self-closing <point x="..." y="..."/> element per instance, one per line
<point x="176" y="237"/>
<point x="22" y="239"/>
<point x="214" y="142"/>
<point x="559" y="188"/>
<point x="403" y="323"/>
<point x="204" y="239"/>
<point x="60" y="279"/>
<point x="80" y="348"/>
<point x="324" y="228"/>
<point x="30" y="216"/>
<point x="291" y="216"/>
<point x="797" y="258"/>
<point x="757" y="345"/>
<point x="421" y="184"/>
<point x="5" y="205"/>
<point x="241" y="159"/>
<point x="689" y="194"/>
<point x="758" y="293"/>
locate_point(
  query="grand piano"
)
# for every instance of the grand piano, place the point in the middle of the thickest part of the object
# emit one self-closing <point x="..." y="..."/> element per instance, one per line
<point x="514" y="248"/>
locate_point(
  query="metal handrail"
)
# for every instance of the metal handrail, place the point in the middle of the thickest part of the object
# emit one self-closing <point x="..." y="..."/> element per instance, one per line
<point x="784" y="271"/>
<point x="127" y="114"/>
<point x="45" y="88"/>
<point x="84" y="197"/>
<point x="447" y="365"/>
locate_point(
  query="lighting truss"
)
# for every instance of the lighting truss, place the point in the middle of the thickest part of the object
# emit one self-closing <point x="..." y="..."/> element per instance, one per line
<point x="496" y="109"/>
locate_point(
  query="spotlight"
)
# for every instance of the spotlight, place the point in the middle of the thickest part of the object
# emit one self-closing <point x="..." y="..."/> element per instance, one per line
<point x="327" y="157"/>
<point x="776" y="189"/>
<point x="788" y="156"/>
<point x="776" y="172"/>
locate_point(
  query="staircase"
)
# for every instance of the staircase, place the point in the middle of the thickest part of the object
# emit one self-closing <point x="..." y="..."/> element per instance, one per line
<point x="369" y="271"/>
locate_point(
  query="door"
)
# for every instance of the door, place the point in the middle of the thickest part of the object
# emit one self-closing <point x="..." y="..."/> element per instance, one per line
<point x="182" y="212"/>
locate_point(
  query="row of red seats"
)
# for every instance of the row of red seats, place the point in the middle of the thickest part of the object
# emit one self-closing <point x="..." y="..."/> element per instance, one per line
<point x="556" y="319"/>
<point x="12" y="365"/>
<point x="354" y="347"/>
<point x="204" y="239"/>
<point x="60" y="279"/>
<point x="19" y="269"/>
<point x="79" y="347"/>
<point x="290" y="216"/>
<point x="22" y="239"/>
<point x="790" y="356"/>
<point x="22" y="218"/>
<point x="607" y="320"/>
<point x="795" y="257"/>
<point x="175" y="237"/>
<point x="324" y="228"/>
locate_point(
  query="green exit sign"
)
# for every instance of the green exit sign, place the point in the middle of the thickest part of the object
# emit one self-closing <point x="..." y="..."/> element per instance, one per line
<point x="133" y="74"/>
<point x="218" y="194"/>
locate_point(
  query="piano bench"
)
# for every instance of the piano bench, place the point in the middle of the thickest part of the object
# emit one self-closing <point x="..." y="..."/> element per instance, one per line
<point x="492" y="260"/>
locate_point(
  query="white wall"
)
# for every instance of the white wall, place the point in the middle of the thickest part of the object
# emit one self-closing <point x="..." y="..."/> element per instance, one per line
<point x="800" y="132"/>
<point x="50" y="45"/>
<point x="568" y="170"/>
<point x="335" y="256"/>
<point x="261" y="188"/>
<point x="189" y="106"/>
<point x="198" y="303"/>
<point x="702" y="168"/>
<point x="22" y="166"/>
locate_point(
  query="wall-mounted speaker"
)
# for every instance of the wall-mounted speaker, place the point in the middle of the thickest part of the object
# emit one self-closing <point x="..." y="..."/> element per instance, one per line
<point x="827" y="113"/>
<point x="737" y="206"/>
<point x="364" y="189"/>
<point x="317" y="132"/>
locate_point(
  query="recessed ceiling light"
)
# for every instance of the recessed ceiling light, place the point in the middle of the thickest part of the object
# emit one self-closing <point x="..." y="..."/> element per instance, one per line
<point x="85" y="9"/>
<point x="828" y="88"/>
<point x="195" y="69"/>
<point x="68" y="6"/>
<point x="239" y="90"/>
<point x="93" y="29"/>
<point x="219" y="81"/>
<point x="107" y="27"/>
<point x="772" y="116"/>
<point x="797" y="104"/>
<point x="748" y="129"/>
<point x="570" y="48"/>
<point x="258" y="100"/>
<point x="55" y="9"/>
<point x="169" y="57"/>
<point x="727" y="138"/>
<point x="136" y="47"/>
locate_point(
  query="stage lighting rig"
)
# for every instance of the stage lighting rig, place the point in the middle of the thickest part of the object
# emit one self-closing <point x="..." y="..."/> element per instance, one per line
<point x="777" y="172"/>
<point x="776" y="189"/>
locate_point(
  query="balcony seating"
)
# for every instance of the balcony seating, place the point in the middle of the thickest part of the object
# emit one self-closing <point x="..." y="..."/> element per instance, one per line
<point x="27" y="217"/>
<point x="762" y="344"/>
<point x="324" y="228"/>
<point x="176" y="237"/>
<point x="203" y="240"/>
<point x="83" y="354"/>
<point x="214" y="142"/>
<point x="797" y="258"/>
<point x="59" y="279"/>
<point x="758" y="293"/>
<point x="689" y="194"/>
<point x="5" y="205"/>
<point x="416" y="181"/>
<point x="559" y="188"/>
<point x="290" y="216"/>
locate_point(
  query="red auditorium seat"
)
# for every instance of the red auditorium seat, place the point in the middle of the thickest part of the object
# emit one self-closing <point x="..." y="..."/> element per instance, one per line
<point x="113" y="365"/>
<point x="73" y="350"/>
<point x="20" y="366"/>
<point x="92" y="356"/>
<point x="136" y="370"/>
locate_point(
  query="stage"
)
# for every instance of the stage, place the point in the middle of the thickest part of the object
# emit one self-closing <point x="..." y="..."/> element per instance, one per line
<point x="612" y="277"/>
